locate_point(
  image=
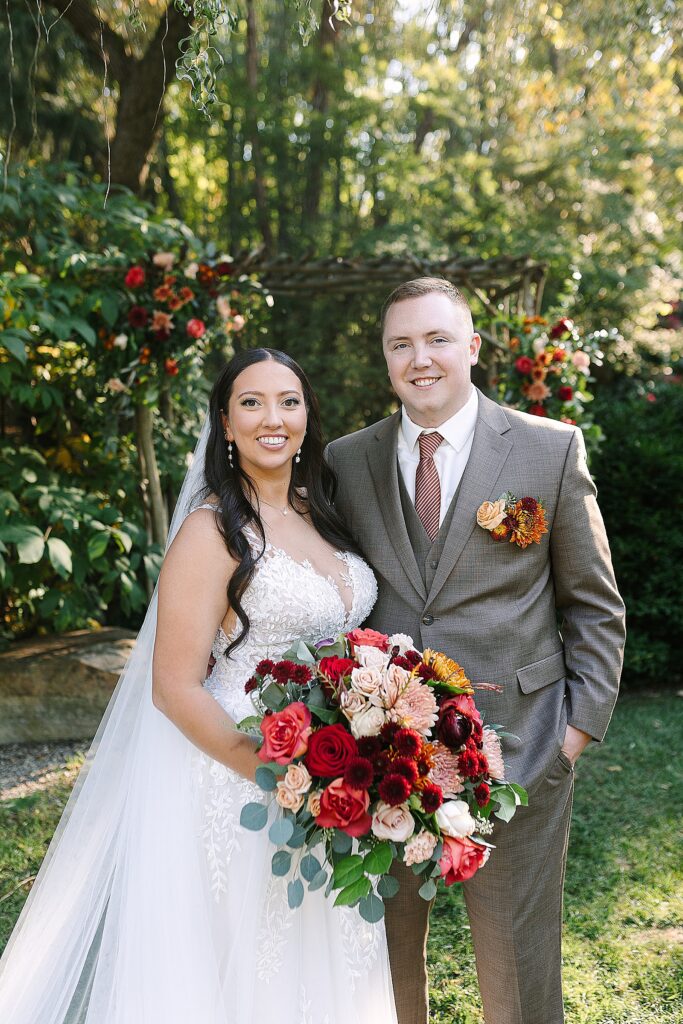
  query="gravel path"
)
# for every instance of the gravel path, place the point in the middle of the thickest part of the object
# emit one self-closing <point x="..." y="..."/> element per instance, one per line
<point x="27" y="767"/>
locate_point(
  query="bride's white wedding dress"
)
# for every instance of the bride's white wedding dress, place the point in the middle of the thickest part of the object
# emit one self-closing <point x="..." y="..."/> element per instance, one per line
<point x="156" y="906"/>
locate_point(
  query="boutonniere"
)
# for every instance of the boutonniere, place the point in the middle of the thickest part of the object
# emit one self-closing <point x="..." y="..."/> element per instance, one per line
<point x="520" y="521"/>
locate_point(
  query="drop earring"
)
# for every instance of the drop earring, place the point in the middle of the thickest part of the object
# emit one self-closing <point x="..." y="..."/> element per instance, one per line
<point x="230" y="453"/>
<point x="298" y="456"/>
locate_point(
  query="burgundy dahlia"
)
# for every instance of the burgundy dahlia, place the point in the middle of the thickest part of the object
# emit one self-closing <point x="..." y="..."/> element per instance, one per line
<point x="482" y="794"/>
<point x="394" y="789"/>
<point x="408" y="742"/>
<point x="264" y="667"/>
<point x="406" y="767"/>
<point x="359" y="773"/>
<point x="431" y="797"/>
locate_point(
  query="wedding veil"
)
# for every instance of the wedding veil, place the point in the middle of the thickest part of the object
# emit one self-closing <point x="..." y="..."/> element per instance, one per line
<point x="119" y="892"/>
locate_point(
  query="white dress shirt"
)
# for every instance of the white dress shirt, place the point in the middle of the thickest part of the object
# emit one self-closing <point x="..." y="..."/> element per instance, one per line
<point x="450" y="457"/>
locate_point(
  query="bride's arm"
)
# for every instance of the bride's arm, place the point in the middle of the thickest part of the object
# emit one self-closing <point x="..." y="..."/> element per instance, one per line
<point x="192" y="604"/>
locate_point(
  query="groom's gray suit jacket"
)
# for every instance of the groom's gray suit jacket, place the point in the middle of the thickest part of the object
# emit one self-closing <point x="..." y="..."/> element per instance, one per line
<point x="545" y="622"/>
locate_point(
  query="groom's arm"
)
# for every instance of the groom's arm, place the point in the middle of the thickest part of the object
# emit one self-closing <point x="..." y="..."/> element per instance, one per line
<point x="587" y="599"/>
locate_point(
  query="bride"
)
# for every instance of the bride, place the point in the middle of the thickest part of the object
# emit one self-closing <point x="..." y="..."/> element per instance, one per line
<point x="153" y="905"/>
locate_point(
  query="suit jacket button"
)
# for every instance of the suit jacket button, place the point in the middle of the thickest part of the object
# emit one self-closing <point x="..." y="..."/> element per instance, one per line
<point x="427" y="620"/>
<point x="435" y="565"/>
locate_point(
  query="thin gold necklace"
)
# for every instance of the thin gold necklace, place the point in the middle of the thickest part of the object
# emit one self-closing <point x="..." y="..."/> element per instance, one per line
<point x="283" y="511"/>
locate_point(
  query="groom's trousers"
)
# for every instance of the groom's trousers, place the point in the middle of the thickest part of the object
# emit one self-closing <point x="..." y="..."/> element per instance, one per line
<point x="514" y="905"/>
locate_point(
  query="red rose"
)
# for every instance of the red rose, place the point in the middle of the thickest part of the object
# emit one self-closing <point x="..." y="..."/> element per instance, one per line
<point x="135" y="277"/>
<point x="196" y="328"/>
<point x="224" y="269"/>
<point x="137" y="316"/>
<point x="171" y="367"/>
<point x="336" y="668"/>
<point x="329" y="751"/>
<point x="368" y="638"/>
<point x="537" y="410"/>
<point x="524" y="364"/>
<point x="345" y="808"/>
<point x="285" y="734"/>
<point x="563" y="326"/>
<point x="565" y="393"/>
<point x="461" y="859"/>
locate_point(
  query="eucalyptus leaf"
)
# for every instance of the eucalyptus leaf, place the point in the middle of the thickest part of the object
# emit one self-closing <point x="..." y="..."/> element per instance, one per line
<point x="281" y="862"/>
<point x="371" y="908"/>
<point x="298" y="837"/>
<point x="295" y="893"/>
<point x="273" y="697"/>
<point x="341" y="842"/>
<point x="254" y="816"/>
<point x="265" y="778"/>
<point x="388" y="886"/>
<point x="318" y="881"/>
<point x="281" y="831"/>
<point x="310" y="866"/>
<point x="428" y="890"/>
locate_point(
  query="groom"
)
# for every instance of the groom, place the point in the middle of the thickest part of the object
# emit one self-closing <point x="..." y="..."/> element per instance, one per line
<point x="546" y="622"/>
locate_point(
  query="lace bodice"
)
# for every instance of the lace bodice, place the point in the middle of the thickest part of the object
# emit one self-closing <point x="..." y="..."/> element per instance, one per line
<point x="287" y="600"/>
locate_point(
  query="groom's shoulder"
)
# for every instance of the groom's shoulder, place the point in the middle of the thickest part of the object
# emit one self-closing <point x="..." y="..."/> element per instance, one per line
<point x="351" y="444"/>
<point x="538" y="430"/>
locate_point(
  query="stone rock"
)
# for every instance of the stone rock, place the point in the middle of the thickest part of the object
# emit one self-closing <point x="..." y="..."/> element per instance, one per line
<point x="57" y="688"/>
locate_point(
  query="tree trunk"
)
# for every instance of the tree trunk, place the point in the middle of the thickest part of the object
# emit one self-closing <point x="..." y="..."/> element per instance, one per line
<point x="327" y="38"/>
<point x="149" y="472"/>
<point x="251" y="126"/>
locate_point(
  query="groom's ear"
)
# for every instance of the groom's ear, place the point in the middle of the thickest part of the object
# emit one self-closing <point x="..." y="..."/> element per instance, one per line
<point x="475" y="345"/>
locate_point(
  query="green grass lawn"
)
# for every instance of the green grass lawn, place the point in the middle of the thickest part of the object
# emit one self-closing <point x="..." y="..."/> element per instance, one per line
<point x="624" y="904"/>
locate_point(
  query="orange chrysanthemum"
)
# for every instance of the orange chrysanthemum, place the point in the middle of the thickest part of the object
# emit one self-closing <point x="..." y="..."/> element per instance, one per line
<point x="529" y="525"/>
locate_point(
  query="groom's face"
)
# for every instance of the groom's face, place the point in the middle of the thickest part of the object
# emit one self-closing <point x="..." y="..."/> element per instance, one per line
<point x="430" y="347"/>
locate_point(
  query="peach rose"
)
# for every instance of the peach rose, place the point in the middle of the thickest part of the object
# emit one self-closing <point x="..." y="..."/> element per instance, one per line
<point x="313" y="804"/>
<point x="287" y="798"/>
<point x="351" y="703"/>
<point x="297" y="778"/>
<point x="366" y="681"/>
<point x="395" y="823"/>
<point x="491" y="514"/>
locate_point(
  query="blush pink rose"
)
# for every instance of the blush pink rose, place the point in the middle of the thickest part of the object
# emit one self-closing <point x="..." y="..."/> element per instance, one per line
<point x="461" y="859"/>
<point x="285" y="734"/>
<point x="344" y="807"/>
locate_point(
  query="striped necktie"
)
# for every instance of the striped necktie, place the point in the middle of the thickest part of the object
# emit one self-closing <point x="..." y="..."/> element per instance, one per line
<point x="427" y="485"/>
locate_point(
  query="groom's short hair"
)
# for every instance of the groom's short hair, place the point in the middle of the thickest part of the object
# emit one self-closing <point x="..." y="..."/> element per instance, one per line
<point x="420" y="286"/>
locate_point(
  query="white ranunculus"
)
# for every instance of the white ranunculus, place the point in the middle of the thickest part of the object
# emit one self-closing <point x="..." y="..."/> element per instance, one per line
<point x="371" y="657"/>
<point x="402" y="641"/>
<point x="395" y="823"/>
<point x="454" y="819"/>
<point x="121" y="340"/>
<point x="368" y="722"/>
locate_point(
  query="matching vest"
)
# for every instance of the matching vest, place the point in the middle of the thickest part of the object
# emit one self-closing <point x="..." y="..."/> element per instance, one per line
<point x="427" y="551"/>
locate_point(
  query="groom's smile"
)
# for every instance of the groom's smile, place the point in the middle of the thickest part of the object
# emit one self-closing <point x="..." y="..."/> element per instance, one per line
<point x="430" y="346"/>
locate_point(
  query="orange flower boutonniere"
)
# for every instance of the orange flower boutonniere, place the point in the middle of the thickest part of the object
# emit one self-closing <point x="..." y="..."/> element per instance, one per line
<point x="519" y="521"/>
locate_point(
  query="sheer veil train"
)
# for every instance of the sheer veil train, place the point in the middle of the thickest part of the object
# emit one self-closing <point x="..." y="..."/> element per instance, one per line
<point x="120" y="887"/>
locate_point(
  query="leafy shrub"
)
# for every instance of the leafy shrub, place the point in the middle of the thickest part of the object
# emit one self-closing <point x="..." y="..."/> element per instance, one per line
<point x="639" y="474"/>
<point x="68" y="558"/>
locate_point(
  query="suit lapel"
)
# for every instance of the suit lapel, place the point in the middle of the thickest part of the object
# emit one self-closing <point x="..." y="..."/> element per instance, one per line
<point x="490" y="449"/>
<point x="383" y="464"/>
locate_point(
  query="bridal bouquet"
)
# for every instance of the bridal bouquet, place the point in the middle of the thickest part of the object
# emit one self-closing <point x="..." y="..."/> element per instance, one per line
<point x="374" y="752"/>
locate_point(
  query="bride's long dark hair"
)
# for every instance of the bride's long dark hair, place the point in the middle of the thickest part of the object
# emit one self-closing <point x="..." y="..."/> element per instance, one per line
<point x="237" y="494"/>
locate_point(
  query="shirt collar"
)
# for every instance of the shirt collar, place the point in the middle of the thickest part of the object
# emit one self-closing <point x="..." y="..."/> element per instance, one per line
<point x="456" y="431"/>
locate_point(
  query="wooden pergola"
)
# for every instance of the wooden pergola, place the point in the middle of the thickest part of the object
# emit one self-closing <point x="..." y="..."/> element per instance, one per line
<point x="504" y="285"/>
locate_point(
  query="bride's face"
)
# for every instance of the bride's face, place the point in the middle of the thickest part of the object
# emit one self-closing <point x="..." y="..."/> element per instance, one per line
<point x="267" y="416"/>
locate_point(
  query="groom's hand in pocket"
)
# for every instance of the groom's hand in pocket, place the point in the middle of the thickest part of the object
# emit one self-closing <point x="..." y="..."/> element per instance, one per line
<point x="575" y="742"/>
